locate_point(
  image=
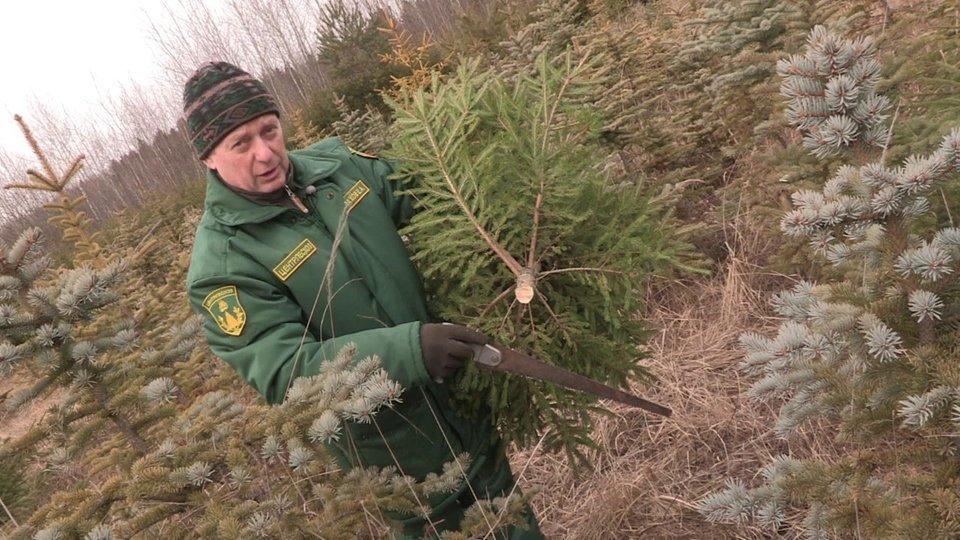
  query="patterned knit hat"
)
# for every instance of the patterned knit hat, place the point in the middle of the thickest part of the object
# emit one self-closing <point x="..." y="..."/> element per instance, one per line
<point x="218" y="98"/>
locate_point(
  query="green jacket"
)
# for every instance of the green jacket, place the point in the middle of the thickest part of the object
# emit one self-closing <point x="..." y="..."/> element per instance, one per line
<point x="259" y="277"/>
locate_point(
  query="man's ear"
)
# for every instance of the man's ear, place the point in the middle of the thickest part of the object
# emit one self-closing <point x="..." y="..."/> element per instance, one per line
<point x="208" y="161"/>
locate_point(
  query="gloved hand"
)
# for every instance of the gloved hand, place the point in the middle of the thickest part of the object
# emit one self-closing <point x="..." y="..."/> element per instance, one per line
<point x="445" y="347"/>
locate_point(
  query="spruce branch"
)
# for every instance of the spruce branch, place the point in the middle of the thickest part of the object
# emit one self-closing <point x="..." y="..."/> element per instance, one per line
<point x="584" y="269"/>
<point x="161" y="390"/>
<point x="440" y="156"/>
<point x="732" y="505"/>
<point x="51" y="177"/>
<point x="917" y="410"/>
<point x="100" y="532"/>
<point x="832" y="92"/>
<point x="925" y="305"/>
<point x="101" y="394"/>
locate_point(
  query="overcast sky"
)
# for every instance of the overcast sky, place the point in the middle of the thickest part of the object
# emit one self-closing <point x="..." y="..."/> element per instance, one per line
<point x="66" y="53"/>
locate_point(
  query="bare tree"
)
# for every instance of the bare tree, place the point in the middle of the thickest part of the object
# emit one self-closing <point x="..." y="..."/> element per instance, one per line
<point x="190" y="35"/>
<point x="301" y="16"/>
<point x="135" y="140"/>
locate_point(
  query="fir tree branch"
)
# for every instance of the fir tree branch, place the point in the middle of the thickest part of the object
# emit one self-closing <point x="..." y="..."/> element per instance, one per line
<point x="168" y="498"/>
<point x="42" y="187"/>
<point x="32" y="142"/>
<point x="293" y="482"/>
<point x="441" y="161"/>
<point x="582" y="269"/>
<point x="552" y="112"/>
<point x="533" y="320"/>
<point x="51" y="378"/>
<point x="531" y="257"/>
<point x="170" y="508"/>
<point x="456" y="458"/>
<point x="506" y="315"/>
<point x="494" y="302"/>
<point x="81" y="412"/>
<point x="99" y="392"/>
<point x="560" y="324"/>
<point x="29" y="324"/>
<point x="946" y="207"/>
<point x="72" y="170"/>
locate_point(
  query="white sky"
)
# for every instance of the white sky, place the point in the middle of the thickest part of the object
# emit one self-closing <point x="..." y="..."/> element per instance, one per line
<point x="65" y="53"/>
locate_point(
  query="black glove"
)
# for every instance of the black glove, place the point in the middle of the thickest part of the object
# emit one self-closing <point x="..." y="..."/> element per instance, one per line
<point x="445" y="347"/>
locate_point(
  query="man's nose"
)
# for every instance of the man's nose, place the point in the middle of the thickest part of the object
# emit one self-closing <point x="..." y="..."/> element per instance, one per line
<point x="261" y="150"/>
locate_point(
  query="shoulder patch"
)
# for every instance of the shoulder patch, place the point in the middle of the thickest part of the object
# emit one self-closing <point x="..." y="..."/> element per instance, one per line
<point x="285" y="268"/>
<point x="355" y="194"/>
<point x="224" y="306"/>
<point x="362" y="154"/>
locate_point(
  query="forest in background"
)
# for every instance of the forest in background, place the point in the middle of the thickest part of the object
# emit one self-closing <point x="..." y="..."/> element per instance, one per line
<point x="135" y="144"/>
<point x="703" y="118"/>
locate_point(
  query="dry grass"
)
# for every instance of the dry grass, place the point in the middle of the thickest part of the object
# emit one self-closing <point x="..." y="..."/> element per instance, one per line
<point x="14" y="423"/>
<point x="651" y="470"/>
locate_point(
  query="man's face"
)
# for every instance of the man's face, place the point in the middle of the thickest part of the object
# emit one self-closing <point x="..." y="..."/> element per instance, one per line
<point x="252" y="156"/>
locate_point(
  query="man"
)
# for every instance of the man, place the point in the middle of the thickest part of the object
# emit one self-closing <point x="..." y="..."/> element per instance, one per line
<point x="298" y="254"/>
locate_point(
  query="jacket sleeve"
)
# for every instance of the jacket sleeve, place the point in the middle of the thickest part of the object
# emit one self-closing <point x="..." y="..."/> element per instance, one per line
<point x="274" y="346"/>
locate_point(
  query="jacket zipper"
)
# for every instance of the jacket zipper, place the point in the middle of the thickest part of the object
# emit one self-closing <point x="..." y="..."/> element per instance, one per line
<point x="296" y="200"/>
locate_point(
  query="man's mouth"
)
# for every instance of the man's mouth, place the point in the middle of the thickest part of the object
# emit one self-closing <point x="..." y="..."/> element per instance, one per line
<point x="269" y="173"/>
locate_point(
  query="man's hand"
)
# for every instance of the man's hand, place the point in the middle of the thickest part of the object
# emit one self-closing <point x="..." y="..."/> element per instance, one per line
<point x="446" y="347"/>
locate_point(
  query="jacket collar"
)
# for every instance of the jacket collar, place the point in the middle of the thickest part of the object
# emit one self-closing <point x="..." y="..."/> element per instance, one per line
<point x="231" y="208"/>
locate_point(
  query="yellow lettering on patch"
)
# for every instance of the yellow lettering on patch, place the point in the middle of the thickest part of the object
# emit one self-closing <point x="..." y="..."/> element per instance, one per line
<point x="224" y="306"/>
<point x="294" y="259"/>
<point x="354" y="195"/>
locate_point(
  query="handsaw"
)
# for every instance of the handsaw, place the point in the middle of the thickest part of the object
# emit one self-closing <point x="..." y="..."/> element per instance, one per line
<point x="510" y="361"/>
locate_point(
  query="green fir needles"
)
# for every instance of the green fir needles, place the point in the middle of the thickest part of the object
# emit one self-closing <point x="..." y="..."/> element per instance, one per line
<point x="523" y="235"/>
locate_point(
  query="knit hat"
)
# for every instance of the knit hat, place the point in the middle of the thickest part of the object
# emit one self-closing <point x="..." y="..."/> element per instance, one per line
<point x="218" y="98"/>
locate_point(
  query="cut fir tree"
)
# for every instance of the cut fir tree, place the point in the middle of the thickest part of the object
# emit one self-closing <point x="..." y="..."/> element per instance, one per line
<point x="522" y="234"/>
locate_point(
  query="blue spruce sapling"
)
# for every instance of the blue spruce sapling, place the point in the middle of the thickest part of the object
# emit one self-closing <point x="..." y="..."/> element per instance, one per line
<point x="871" y="349"/>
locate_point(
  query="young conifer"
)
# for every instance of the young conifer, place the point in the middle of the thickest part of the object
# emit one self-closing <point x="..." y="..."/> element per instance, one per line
<point x="66" y="322"/>
<point x="77" y="329"/>
<point x="730" y="50"/>
<point x="870" y="349"/>
<point x="522" y="235"/>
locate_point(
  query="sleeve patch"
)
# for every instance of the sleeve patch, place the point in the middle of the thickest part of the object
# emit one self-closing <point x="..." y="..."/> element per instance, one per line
<point x="224" y="307"/>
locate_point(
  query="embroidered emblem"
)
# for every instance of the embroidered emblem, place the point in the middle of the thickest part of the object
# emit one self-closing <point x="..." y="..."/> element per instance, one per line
<point x="224" y="306"/>
<point x="294" y="259"/>
<point x="354" y="195"/>
<point x="362" y="154"/>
